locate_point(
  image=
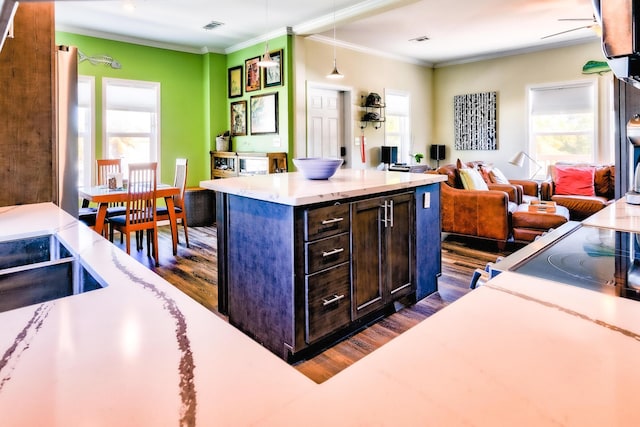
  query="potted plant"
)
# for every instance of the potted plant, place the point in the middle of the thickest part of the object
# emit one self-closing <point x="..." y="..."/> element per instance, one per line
<point x="418" y="157"/>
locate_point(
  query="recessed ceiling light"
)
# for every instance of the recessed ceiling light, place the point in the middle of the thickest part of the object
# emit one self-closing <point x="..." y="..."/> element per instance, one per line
<point x="419" y="39"/>
<point x="213" y="24"/>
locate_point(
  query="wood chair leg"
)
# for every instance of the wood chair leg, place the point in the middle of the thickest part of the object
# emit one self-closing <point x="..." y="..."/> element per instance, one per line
<point x="186" y="235"/>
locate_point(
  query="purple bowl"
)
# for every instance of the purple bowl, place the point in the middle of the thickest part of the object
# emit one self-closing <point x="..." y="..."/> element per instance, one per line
<point x="316" y="167"/>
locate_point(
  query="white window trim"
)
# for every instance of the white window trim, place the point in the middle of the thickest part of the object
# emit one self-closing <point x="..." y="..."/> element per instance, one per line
<point x="593" y="82"/>
<point x="406" y="150"/>
<point x="156" y="151"/>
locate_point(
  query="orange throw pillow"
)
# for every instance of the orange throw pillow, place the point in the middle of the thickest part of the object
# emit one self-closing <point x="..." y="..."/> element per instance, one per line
<point x="574" y="181"/>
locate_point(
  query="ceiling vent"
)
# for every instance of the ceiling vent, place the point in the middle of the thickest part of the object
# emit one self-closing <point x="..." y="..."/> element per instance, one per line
<point x="213" y="24"/>
<point x="419" y="39"/>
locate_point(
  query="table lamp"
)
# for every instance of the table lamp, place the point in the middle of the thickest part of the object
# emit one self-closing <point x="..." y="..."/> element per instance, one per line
<point x="518" y="160"/>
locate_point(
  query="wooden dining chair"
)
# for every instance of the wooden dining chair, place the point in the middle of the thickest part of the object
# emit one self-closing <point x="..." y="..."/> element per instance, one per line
<point x="104" y="167"/>
<point x="140" y="208"/>
<point x="88" y="214"/>
<point x="180" y="181"/>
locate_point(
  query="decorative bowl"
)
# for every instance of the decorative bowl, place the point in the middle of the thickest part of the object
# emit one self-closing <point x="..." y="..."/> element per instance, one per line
<point x="316" y="167"/>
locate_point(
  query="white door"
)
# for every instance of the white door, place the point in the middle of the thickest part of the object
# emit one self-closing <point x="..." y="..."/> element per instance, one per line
<point x="324" y="122"/>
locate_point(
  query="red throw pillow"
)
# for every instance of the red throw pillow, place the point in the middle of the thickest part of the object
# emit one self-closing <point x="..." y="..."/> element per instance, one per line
<point x="572" y="180"/>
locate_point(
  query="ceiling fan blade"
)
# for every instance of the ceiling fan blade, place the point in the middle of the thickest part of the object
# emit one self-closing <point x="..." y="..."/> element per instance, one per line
<point x="566" y="31"/>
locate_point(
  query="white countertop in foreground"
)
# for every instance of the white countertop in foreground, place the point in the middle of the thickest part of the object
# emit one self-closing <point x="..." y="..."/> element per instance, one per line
<point x="516" y="351"/>
<point x="293" y="189"/>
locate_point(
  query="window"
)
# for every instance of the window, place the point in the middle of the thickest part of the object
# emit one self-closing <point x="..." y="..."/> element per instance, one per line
<point x="562" y="123"/>
<point x="398" y="124"/>
<point x="86" y="91"/>
<point x="131" y="116"/>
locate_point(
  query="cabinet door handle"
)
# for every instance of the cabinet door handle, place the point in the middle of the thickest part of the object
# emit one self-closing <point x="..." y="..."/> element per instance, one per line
<point x="332" y="252"/>
<point x="391" y="215"/>
<point x="335" y="298"/>
<point x="331" y="221"/>
<point x="385" y="218"/>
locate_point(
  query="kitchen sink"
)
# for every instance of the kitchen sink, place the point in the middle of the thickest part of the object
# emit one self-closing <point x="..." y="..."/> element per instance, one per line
<point x="41" y="268"/>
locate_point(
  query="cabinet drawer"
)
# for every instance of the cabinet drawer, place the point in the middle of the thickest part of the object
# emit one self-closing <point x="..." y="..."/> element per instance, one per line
<point x="326" y="221"/>
<point x="327" y="302"/>
<point x="326" y="253"/>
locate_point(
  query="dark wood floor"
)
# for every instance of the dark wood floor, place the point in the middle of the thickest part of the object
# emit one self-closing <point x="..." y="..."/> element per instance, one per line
<point x="194" y="271"/>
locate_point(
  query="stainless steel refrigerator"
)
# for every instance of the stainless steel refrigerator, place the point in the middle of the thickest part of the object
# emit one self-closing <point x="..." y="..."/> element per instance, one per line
<point x="66" y="142"/>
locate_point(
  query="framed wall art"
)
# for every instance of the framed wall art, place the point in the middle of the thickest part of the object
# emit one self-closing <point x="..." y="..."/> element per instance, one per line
<point x="272" y="76"/>
<point x="475" y="121"/>
<point x="264" y="113"/>
<point x="252" y="74"/>
<point x="239" y="118"/>
<point x="235" y="81"/>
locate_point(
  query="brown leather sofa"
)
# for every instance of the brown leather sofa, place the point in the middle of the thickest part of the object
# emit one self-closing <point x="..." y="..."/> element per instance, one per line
<point x="478" y="213"/>
<point x="581" y="206"/>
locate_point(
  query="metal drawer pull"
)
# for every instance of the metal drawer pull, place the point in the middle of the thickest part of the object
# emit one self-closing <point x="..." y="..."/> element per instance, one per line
<point x="335" y="298"/>
<point x="331" y="221"/>
<point x="332" y="252"/>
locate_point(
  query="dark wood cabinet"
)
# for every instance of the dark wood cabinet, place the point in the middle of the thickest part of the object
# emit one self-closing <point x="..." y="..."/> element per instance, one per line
<point x="298" y="278"/>
<point x="382" y="256"/>
<point x="27" y="108"/>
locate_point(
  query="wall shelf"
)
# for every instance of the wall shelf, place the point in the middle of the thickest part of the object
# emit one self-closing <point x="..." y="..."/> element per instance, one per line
<point x="372" y="112"/>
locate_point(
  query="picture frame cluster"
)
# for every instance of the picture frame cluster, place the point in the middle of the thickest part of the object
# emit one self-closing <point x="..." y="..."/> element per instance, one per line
<point x="263" y="108"/>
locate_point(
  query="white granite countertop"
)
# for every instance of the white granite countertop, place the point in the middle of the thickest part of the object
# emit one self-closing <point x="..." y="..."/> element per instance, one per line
<point x="516" y="351"/>
<point x="619" y="215"/>
<point x="295" y="190"/>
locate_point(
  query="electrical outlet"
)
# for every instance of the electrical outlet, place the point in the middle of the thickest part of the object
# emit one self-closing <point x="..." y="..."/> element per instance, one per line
<point x="427" y="200"/>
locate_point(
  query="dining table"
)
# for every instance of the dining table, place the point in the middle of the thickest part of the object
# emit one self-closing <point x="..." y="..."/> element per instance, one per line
<point x="104" y="196"/>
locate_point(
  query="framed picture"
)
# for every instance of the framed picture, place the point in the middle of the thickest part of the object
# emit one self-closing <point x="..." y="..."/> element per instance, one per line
<point x="264" y="114"/>
<point x="235" y="81"/>
<point x="272" y="76"/>
<point x="253" y="74"/>
<point x="239" y="118"/>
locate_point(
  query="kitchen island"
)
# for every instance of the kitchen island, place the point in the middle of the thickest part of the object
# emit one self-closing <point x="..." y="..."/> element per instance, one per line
<point x="516" y="351"/>
<point x="302" y="263"/>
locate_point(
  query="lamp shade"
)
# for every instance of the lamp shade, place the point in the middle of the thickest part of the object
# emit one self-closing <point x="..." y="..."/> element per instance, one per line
<point x="518" y="159"/>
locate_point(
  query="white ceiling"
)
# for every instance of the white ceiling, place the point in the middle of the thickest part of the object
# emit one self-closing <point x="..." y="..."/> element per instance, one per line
<point x="458" y="30"/>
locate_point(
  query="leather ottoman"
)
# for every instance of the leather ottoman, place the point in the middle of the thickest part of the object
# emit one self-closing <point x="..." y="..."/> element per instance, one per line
<point x="529" y="225"/>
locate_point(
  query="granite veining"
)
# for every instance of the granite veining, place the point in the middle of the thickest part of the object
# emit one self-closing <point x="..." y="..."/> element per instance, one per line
<point x="517" y="351"/>
<point x="21" y="342"/>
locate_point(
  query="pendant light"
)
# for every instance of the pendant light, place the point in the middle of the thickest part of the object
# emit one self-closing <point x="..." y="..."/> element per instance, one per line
<point x="334" y="74"/>
<point x="266" y="60"/>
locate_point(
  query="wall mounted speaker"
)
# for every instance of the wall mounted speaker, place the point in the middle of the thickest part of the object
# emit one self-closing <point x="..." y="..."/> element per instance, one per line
<point x="389" y="154"/>
<point x="437" y="152"/>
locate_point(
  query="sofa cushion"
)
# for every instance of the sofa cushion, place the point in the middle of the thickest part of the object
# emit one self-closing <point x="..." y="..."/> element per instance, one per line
<point x="453" y="178"/>
<point x="497" y="176"/>
<point x="581" y="207"/>
<point x="572" y="180"/>
<point x="604" y="181"/>
<point x="472" y="180"/>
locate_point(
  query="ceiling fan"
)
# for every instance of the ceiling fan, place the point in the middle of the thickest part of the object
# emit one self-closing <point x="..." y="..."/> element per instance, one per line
<point x="594" y="23"/>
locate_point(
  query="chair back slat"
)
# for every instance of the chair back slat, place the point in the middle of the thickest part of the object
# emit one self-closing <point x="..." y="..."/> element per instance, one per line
<point x="105" y="167"/>
<point x="141" y="193"/>
<point x="180" y="181"/>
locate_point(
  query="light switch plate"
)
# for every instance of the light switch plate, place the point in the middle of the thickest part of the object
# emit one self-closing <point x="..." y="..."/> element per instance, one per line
<point x="427" y="200"/>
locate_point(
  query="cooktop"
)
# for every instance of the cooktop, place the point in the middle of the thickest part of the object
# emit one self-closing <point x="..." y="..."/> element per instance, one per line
<point x="595" y="258"/>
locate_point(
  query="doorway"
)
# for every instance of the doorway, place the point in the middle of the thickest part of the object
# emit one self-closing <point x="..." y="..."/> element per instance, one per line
<point x="327" y="108"/>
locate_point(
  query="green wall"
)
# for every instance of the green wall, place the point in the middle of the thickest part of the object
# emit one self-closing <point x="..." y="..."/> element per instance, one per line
<point x="195" y="107"/>
<point x="193" y="90"/>
<point x="266" y="143"/>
